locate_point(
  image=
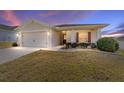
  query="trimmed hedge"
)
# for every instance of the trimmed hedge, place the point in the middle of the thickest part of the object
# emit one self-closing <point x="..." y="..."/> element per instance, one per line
<point x="107" y="44"/>
<point x="74" y="45"/>
<point x="68" y="45"/>
<point x="14" y="44"/>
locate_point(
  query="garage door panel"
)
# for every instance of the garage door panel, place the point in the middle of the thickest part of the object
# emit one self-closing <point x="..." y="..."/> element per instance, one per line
<point x="35" y="39"/>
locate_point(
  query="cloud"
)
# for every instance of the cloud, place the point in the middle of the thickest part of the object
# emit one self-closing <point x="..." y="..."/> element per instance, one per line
<point x="119" y="29"/>
<point x="120" y="25"/>
<point x="10" y="17"/>
<point x="49" y="13"/>
<point x="105" y="32"/>
<point x="113" y="35"/>
<point x="119" y="32"/>
<point x="64" y="16"/>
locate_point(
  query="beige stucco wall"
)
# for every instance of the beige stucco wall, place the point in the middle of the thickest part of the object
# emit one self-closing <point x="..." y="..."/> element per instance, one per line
<point x="55" y="39"/>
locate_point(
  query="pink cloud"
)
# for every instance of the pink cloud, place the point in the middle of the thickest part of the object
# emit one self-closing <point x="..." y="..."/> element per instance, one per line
<point x="9" y="16"/>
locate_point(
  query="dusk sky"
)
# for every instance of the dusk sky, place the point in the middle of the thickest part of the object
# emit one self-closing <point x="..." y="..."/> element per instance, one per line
<point x="114" y="18"/>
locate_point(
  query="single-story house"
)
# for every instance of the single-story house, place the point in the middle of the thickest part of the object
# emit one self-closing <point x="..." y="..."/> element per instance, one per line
<point x="7" y="33"/>
<point x="121" y="42"/>
<point x="37" y="34"/>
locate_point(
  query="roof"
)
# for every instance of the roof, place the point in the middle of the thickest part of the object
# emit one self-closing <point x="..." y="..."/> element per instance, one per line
<point x="68" y="25"/>
<point x="79" y="26"/>
<point x="63" y="26"/>
<point x="7" y="28"/>
<point x="31" y="21"/>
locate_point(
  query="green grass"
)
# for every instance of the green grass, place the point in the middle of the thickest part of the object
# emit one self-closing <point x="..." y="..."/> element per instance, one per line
<point x="121" y="52"/>
<point x="5" y="44"/>
<point x="64" y="66"/>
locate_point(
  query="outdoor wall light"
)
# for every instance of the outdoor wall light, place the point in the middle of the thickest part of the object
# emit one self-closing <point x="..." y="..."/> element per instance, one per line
<point x="17" y="35"/>
<point x="48" y="33"/>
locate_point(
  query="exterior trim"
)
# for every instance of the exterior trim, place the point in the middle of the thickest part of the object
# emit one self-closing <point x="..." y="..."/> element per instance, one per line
<point x="89" y="37"/>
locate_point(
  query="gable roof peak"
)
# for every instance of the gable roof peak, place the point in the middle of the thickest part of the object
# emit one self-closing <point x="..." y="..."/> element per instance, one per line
<point x="32" y="20"/>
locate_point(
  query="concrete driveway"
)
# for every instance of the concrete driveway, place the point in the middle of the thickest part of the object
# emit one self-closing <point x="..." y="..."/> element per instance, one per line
<point x="10" y="54"/>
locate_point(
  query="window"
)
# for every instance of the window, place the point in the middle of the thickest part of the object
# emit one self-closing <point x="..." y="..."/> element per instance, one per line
<point x="83" y="37"/>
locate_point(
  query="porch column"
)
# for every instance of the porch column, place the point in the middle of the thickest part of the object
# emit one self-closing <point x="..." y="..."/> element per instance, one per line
<point x="49" y="38"/>
<point x="71" y="36"/>
<point x="98" y="33"/>
<point x="68" y="36"/>
<point x="19" y="40"/>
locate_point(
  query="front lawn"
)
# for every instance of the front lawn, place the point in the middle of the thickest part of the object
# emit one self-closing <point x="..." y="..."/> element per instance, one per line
<point x="65" y="66"/>
<point x="5" y="44"/>
<point x="121" y="52"/>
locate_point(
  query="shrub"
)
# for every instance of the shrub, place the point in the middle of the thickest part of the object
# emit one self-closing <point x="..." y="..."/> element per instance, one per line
<point x="71" y="45"/>
<point x="84" y="45"/>
<point x="93" y="45"/>
<point x="68" y="45"/>
<point x="107" y="44"/>
<point x="74" y="45"/>
<point x="14" y="44"/>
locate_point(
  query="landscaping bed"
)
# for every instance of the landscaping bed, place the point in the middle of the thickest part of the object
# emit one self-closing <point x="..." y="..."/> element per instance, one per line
<point x="6" y="44"/>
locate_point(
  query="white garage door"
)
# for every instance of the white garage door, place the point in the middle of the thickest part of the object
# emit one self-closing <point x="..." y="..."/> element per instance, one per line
<point x="34" y="39"/>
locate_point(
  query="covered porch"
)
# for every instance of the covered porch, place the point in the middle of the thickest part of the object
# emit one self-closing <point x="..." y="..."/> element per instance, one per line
<point x="78" y="36"/>
<point x="88" y="33"/>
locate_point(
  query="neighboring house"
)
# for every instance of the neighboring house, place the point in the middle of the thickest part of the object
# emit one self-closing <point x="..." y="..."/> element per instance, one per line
<point x="121" y="42"/>
<point x="7" y="33"/>
<point x="37" y="34"/>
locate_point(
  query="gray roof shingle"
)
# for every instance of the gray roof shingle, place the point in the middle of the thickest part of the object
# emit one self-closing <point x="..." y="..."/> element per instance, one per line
<point x="7" y="28"/>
